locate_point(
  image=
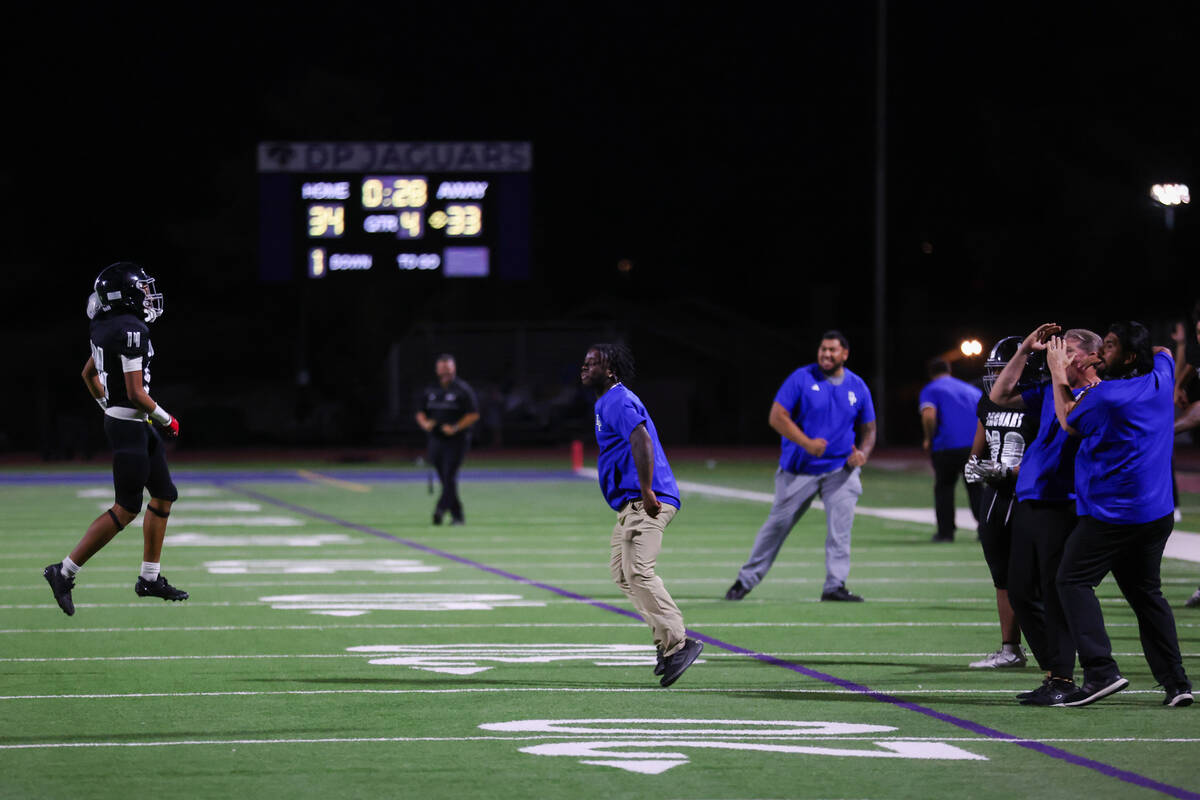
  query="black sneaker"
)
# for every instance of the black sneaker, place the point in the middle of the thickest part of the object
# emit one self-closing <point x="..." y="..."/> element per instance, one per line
<point x="1051" y="693"/>
<point x="1032" y="692"/>
<point x="158" y="588"/>
<point x="661" y="665"/>
<point x="736" y="592"/>
<point x="61" y="585"/>
<point x="680" y="660"/>
<point x="842" y="594"/>
<point x="1178" y="695"/>
<point x="1092" y="691"/>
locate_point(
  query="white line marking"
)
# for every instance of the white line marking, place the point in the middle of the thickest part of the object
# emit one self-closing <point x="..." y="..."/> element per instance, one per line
<point x="107" y="491"/>
<point x="206" y="505"/>
<point x="239" y="522"/>
<point x="404" y="739"/>
<point x="454" y="625"/>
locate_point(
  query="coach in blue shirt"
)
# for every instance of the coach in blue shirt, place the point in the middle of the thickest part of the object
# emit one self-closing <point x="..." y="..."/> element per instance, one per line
<point x="637" y="483"/>
<point x="947" y="407"/>
<point x="1126" y="512"/>
<point x="824" y="416"/>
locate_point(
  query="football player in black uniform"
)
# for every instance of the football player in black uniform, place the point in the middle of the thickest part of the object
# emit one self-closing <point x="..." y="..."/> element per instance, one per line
<point x="118" y="376"/>
<point x="1000" y="439"/>
<point x="447" y="414"/>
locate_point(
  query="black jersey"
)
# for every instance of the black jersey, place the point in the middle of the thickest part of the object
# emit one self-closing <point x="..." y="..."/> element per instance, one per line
<point x="120" y="344"/>
<point x="447" y="405"/>
<point x="1007" y="431"/>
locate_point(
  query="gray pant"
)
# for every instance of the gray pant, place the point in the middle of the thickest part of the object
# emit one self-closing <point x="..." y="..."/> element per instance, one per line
<point x="839" y="490"/>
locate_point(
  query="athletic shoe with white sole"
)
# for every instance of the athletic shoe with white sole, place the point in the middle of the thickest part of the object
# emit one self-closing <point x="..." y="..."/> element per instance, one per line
<point x="1178" y="695"/>
<point x="1092" y="691"/>
<point x="1001" y="658"/>
<point x="1194" y="600"/>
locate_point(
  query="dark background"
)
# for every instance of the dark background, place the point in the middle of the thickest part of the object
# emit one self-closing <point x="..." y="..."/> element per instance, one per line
<point x="727" y="154"/>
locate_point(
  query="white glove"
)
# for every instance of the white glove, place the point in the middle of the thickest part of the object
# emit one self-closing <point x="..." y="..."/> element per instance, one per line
<point x="993" y="471"/>
<point x="971" y="470"/>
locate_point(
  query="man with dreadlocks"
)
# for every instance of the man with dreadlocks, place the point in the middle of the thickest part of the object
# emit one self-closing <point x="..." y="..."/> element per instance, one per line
<point x="638" y="484"/>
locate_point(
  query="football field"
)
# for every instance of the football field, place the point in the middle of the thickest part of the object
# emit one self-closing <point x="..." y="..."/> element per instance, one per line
<point x="337" y="644"/>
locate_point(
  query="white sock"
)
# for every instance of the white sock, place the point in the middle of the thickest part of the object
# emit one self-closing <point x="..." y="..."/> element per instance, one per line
<point x="150" y="571"/>
<point x="1009" y="648"/>
<point x="69" y="568"/>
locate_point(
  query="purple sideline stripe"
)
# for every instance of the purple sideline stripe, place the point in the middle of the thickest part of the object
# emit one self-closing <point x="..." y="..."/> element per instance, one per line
<point x="965" y="724"/>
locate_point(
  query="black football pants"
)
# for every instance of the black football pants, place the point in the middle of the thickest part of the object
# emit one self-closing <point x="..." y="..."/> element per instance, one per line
<point x="447" y="456"/>
<point x="1133" y="553"/>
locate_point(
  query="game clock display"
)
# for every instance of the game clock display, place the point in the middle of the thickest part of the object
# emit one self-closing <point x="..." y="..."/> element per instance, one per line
<point x="468" y="218"/>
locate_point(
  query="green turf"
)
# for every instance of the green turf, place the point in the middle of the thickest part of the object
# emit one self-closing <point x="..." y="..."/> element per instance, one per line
<point x="227" y="694"/>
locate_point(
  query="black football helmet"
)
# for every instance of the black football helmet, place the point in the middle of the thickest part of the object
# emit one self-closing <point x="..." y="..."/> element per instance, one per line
<point x="1035" y="364"/>
<point x="126" y="287"/>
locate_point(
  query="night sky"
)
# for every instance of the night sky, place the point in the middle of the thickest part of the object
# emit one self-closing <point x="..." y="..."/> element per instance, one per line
<point x="727" y="153"/>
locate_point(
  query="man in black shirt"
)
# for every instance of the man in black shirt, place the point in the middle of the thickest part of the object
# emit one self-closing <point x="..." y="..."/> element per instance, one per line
<point x="448" y="411"/>
<point x="117" y="375"/>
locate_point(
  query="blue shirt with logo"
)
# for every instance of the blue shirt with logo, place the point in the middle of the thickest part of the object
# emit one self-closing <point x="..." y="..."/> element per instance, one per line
<point x="826" y="411"/>
<point x="618" y="413"/>
<point x="1123" y="469"/>
<point x="1048" y="468"/>
<point x="955" y="402"/>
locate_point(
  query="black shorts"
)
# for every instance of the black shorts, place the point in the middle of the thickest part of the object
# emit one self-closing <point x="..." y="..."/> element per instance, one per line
<point x="139" y="462"/>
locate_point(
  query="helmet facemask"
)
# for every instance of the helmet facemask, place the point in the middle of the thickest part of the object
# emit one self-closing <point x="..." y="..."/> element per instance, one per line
<point x="152" y="305"/>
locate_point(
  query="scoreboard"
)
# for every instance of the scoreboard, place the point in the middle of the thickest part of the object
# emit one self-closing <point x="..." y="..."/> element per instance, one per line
<point x="330" y="210"/>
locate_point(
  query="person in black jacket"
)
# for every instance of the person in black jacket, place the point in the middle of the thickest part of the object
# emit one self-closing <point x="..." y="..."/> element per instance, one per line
<point x="448" y="411"/>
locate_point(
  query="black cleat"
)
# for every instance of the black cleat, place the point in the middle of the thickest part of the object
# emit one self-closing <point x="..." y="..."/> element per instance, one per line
<point x="680" y="660"/>
<point x="158" y="588"/>
<point x="1092" y="691"/>
<point x="737" y="591"/>
<point x="937" y="537"/>
<point x="661" y="665"/>
<point x="1051" y="693"/>
<point x="842" y="594"/>
<point x="1178" y="695"/>
<point x="61" y="585"/>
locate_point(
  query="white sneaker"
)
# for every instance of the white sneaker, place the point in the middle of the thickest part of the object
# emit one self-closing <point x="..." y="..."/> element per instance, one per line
<point x="1001" y="658"/>
<point x="1178" y="515"/>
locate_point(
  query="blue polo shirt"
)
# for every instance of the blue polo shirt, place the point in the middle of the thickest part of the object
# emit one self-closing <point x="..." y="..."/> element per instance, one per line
<point x="955" y="402"/>
<point x="1123" y="470"/>
<point x="823" y="411"/>
<point x="1048" y="468"/>
<point x="618" y="412"/>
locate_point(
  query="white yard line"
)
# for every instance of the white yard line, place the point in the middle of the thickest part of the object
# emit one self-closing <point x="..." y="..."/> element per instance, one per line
<point x="608" y="736"/>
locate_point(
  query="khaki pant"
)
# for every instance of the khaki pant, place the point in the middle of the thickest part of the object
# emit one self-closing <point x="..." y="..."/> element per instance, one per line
<point x="636" y="542"/>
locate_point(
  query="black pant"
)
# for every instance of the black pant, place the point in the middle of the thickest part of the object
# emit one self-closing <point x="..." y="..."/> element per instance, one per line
<point x="1133" y="553"/>
<point x="139" y="461"/>
<point x="995" y="530"/>
<point x="447" y="456"/>
<point x="947" y="472"/>
<point x="1039" y="533"/>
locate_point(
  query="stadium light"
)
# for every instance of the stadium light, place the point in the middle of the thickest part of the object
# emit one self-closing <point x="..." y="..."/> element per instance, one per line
<point x="1169" y="195"/>
<point x="971" y="347"/>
